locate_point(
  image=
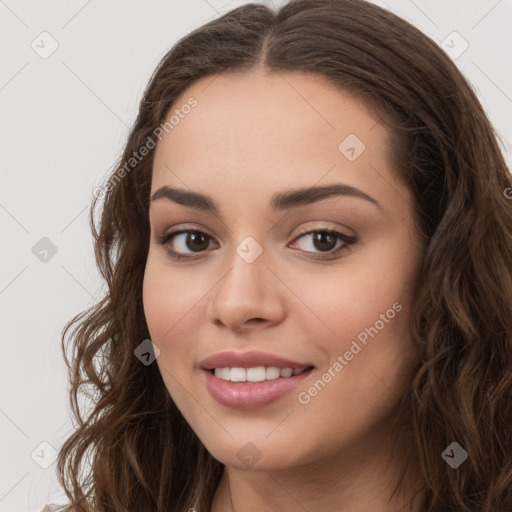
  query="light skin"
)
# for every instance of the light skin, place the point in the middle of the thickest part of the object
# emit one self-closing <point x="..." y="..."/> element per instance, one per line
<point x="251" y="136"/>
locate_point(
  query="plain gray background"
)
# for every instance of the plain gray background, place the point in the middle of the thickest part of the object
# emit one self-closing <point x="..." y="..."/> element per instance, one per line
<point x="64" y="120"/>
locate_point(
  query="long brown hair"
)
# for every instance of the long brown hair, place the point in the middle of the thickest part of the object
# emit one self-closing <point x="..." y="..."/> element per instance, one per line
<point x="133" y="450"/>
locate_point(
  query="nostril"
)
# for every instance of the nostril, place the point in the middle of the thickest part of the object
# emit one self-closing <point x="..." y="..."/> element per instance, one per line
<point x="257" y="320"/>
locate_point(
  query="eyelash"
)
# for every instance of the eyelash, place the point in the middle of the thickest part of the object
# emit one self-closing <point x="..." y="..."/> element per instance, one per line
<point x="348" y="241"/>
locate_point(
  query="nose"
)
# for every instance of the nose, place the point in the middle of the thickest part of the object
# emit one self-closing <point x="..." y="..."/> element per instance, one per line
<point x="248" y="296"/>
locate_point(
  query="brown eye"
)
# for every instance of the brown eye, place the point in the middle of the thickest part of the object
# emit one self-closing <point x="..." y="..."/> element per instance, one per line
<point x="185" y="242"/>
<point x="324" y="242"/>
<point x="196" y="241"/>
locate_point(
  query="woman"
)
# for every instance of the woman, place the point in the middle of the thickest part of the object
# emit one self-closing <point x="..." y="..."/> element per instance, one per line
<point x="307" y="247"/>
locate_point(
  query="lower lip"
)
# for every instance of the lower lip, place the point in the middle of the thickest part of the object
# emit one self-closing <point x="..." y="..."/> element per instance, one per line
<point x="249" y="395"/>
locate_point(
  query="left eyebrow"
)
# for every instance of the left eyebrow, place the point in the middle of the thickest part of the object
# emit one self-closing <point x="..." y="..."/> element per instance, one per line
<point x="279" y="201"/>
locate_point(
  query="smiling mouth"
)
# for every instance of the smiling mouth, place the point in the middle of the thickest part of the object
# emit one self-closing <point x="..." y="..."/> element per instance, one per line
<point x="257" y="373"/>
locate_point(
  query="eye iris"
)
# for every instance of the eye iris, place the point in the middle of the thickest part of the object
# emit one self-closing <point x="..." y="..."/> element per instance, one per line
<point x="194" y="236"/>
<point x="319" y="239"/>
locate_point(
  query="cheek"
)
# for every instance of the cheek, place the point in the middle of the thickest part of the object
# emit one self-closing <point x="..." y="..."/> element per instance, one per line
<point x="353" y="294"/>
<point x="364" y="305"/>
<point x="168" y="306"/>
<point x="169" y="299"/>
<point x="174" y="307"/>
<point x="169" y="296"/>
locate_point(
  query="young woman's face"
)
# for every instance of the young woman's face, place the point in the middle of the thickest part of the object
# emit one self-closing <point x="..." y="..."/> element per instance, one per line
<point x="267" y="272"/>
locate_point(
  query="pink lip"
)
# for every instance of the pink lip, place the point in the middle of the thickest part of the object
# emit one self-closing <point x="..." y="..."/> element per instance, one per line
<point x="249" y="395"/>
<point x="230" y="359"/>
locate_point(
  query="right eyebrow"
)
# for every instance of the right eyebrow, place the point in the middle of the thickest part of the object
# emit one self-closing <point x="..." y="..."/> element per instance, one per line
<point x="308" y="195"/>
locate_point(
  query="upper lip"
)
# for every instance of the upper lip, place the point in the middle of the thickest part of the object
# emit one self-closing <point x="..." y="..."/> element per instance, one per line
<point x="250" y="359"/>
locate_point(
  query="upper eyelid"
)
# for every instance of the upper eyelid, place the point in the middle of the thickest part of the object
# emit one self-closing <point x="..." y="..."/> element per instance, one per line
<point x="301" y="231"/>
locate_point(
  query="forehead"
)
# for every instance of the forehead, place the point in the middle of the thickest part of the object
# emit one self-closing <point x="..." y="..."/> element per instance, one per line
<point x="260" y="131"/>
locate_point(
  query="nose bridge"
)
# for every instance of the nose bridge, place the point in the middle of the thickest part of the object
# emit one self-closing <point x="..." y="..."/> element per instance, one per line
<point x="247" y="290"/>
<point x="247" y="276"/>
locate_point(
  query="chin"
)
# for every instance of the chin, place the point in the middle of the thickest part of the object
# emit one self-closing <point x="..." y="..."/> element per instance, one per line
<point x="258" y="455"/>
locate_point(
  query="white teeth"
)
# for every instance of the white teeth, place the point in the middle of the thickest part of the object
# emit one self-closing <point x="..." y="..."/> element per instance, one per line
<point x="223" y="373"/>
<point x="256" y="374"/>
<point x="286" y="372"/>
<point x="272" y="373"/>
<point x="237" y="375"/>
